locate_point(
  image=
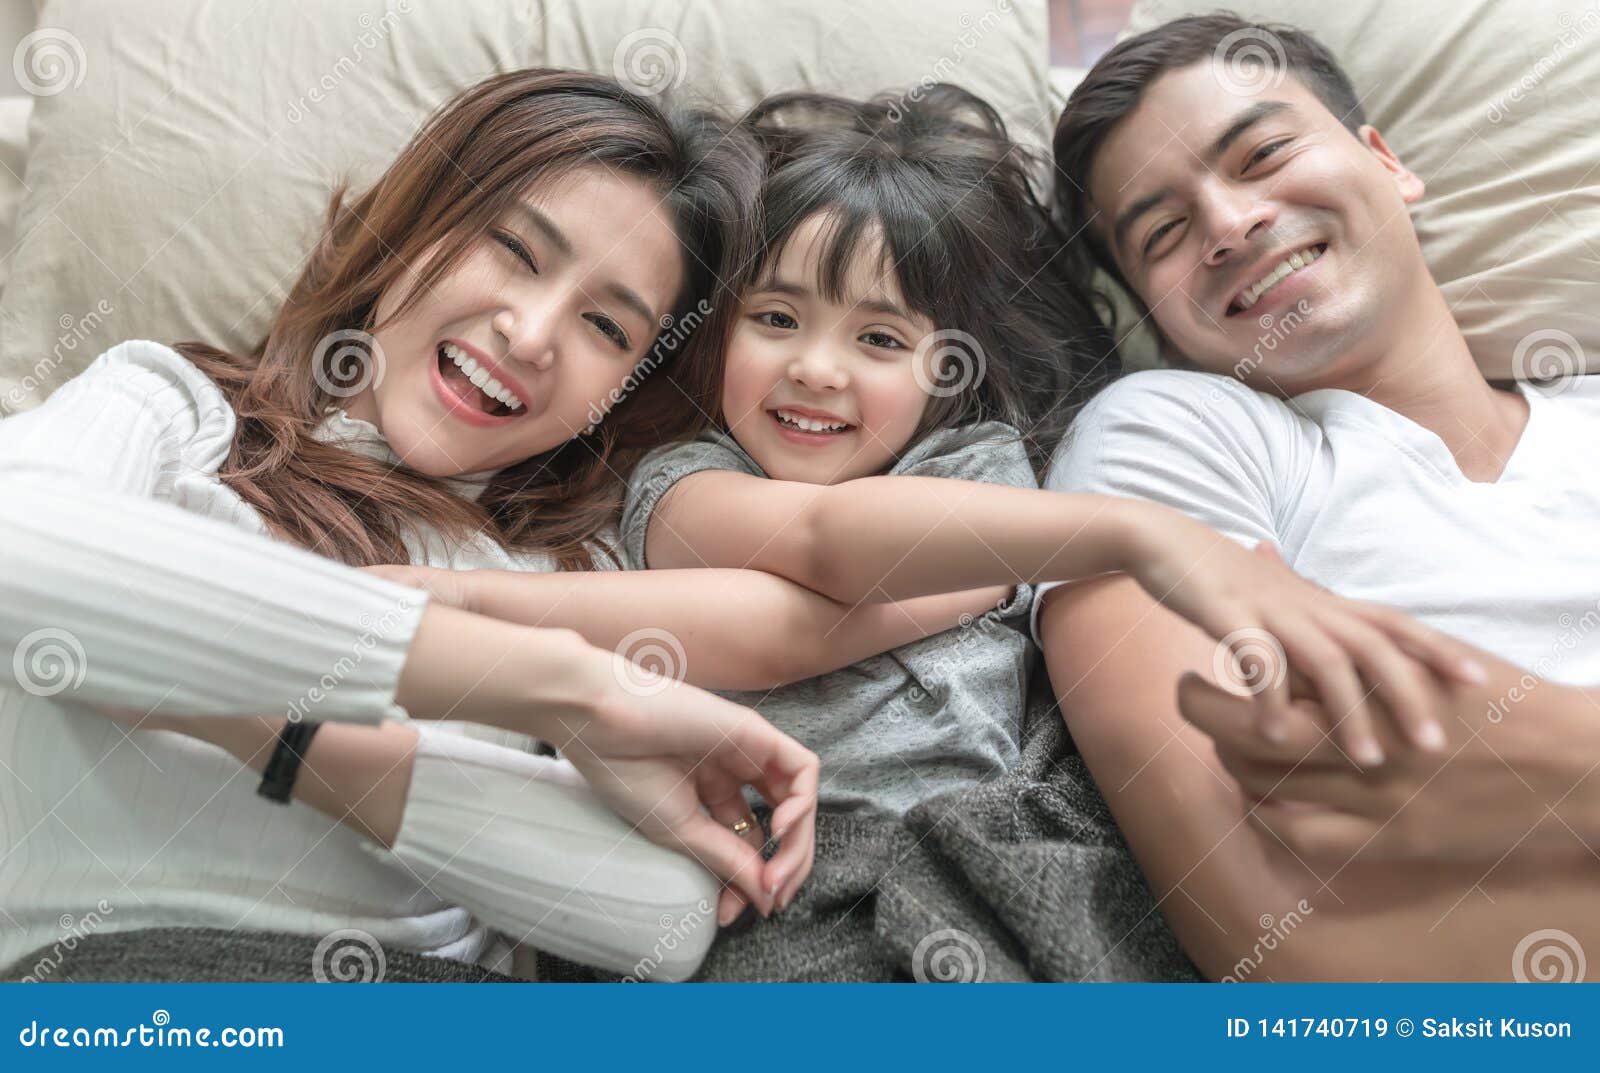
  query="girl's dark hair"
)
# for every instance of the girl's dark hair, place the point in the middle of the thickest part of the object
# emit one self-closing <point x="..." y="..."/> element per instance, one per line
<point x="480" y="154"/>
<point x="964" y="232"/>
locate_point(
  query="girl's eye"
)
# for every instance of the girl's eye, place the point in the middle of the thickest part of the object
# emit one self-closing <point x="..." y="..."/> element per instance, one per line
<point x="514" y="244"/>
<point x="775" y="319"/>
<point x="1264" y="152"/>
<point x="1158" y="234"/>
<point x="882" y="339"/>
<point x="610" y="329"/>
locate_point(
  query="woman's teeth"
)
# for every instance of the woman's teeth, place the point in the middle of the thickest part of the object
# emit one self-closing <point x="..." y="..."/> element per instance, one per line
<point x="1295" y="261"/>
<point x="809" y="424"/>
<point x="480" y="377"/>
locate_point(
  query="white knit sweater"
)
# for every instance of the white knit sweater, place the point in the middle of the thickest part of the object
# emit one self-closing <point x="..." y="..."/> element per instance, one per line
<point x="110" y="595"/>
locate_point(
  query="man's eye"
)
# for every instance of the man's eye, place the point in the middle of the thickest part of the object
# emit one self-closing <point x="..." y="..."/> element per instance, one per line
<point x="1264" y="152"/>
<point x="882" y="339"/>
<point x="610" y="329"/>
<point x="1158" y="234"/>
<point x="777" y="320"/>
<point x="514" y="244"/>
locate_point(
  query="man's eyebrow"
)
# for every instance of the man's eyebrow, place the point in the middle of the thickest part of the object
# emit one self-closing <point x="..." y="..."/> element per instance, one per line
<point x="545" y="226"/>
<point x="1128" y="215"/>
<point x="1241" y="123"/>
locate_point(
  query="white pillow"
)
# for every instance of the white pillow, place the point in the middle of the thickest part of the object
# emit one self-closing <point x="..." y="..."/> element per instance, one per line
<point x="183" y="155"/>
<point x="1495" y="106"/>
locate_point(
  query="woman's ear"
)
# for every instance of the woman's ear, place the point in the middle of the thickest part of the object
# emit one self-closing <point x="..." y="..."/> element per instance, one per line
<point x="1408" y="182"/>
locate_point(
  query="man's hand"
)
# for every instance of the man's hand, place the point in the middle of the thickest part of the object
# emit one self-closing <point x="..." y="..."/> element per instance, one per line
<point x="1518" y="773"/>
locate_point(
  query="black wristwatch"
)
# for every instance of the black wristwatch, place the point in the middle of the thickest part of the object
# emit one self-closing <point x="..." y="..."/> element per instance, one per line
<point x="277" y="781"/>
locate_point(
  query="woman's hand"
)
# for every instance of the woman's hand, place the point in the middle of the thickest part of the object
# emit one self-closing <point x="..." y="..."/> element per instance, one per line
<point x="674" y="760"/>
<point x="1273" y="625"/>
<point x="451" y="587"/>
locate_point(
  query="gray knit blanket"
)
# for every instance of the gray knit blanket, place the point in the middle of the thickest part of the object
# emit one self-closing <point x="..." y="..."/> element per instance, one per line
<point x="1024" y="877"/>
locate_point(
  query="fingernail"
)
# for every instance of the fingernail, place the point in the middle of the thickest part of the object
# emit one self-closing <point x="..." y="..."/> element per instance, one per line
<point x="1274" y="731"/>
<point x="774" y="884"/>
<point x="1432" y="736"/>
<point x="743" y="921"/>
<point x="1474" y="671"/>
<point x="1368" y="754"/>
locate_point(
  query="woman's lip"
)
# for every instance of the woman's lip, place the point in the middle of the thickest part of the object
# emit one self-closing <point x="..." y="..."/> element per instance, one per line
<point x="494" y="368"/>
<point x="455" y="404"/>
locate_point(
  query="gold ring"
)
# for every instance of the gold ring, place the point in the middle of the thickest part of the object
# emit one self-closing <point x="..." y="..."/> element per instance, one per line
<point x="741" y="827"/>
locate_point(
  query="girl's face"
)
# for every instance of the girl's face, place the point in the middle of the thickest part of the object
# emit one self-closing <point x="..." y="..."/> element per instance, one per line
<point x="515" y="351"/>
<point x="819" y="391"/>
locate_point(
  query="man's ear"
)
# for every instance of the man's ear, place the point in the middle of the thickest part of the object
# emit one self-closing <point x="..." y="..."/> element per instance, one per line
<point x="1407" y="181"/>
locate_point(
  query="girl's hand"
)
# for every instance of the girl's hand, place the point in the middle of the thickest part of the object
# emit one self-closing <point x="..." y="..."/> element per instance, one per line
<point x="1272" y="623"/>
<point x="674" y="760"/>
<point x="447" y="586"/>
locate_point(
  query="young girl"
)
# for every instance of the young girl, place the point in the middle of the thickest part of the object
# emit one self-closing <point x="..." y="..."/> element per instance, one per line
<point x="861" y="456"/>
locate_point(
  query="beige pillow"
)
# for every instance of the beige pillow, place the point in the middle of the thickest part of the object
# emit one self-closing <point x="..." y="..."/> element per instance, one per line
<point x="182" y="157"/>
<point x="1495" y="105"/>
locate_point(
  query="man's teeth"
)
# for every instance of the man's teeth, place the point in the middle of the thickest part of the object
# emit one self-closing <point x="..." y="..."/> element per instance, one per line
<point x="1252" y="294"/>
<point x="480" y="377"/>
<point x="810" y="424"/>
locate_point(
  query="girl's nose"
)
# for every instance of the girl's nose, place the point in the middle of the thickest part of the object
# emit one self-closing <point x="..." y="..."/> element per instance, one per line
<point x="814" y="368"/>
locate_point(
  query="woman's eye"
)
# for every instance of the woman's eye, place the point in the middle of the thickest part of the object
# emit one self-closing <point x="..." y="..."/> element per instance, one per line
<point x="882" y="339"/>
<point x="1264" y="152"/>
<point x="777" y="320"/>
<point x="514" y="244"/>
<point x="1158" y="234"/>
<point x="610" y="329"/>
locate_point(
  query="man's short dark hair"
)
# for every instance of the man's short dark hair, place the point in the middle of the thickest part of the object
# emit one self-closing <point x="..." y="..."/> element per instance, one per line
<point x="1114" y="86"/>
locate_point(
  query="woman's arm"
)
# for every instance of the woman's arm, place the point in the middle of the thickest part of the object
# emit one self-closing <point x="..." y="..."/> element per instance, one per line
<point x="1229" y="889"/>
<point x="738" y="629"/>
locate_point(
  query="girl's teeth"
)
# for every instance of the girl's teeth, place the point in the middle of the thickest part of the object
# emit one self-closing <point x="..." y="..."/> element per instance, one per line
<point x="808" y="424"/>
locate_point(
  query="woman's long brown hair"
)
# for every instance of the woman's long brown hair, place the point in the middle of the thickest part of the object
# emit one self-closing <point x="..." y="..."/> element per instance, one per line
<point x="476" y="157"/>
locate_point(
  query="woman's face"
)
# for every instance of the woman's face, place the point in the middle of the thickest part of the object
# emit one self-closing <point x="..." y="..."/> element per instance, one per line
<point x="519" y="348"/>
<point x="821" y="391"/>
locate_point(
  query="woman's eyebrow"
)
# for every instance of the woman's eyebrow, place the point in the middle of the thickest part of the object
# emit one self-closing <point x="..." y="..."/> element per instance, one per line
<point x="630" y="298"/>
<point x="545" y="226"/>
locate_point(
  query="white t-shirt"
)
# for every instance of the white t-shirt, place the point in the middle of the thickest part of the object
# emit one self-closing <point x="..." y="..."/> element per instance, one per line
<point x="1372" y="505"/>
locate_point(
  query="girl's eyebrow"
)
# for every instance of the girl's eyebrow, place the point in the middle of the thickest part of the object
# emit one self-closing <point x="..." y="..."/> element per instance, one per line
<point x="876" y="302"/>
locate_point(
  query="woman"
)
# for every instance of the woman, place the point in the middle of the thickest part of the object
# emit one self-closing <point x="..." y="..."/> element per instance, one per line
<point x="540" y="229"/>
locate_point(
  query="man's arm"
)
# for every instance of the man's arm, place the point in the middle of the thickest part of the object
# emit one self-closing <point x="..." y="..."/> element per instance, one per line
<point x="1242" y="903"/>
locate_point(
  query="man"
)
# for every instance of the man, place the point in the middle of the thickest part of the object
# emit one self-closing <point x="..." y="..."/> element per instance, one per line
<point x="1326" y="405"/>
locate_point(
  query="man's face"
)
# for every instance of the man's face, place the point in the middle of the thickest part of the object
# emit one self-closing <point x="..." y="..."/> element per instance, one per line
<point x="1268" y="242"/>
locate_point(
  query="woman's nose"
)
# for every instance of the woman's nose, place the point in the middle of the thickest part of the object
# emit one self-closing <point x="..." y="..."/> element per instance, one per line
<point x="529" y="341"/>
